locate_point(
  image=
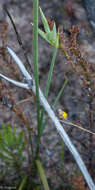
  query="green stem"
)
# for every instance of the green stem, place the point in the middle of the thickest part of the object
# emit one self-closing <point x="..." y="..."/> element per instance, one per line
<point x="35" y="60"/>
<point x="59" y="94"/>
<point x="35" y="57"/>
<point x="46" y="95"/>
<point x="48" y="84"/>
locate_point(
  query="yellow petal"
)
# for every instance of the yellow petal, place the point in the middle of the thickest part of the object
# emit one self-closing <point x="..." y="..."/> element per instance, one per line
<point x="65" y="115"/>
<point x="62" y="114"/>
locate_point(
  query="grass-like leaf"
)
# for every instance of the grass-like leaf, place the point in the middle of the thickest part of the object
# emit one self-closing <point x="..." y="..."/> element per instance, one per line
<point x="22" y="184"/>
<point x="48" y="85"/>
<point x="44" y="21"/>
<point x="52" y="36"/>
<point x="42" y="175"/>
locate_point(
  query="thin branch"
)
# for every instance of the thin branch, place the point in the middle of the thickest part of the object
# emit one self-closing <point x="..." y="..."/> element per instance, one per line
<point x="19" y="84"/>
<point x="18" y="36"/>
<point x="78" y="126"/>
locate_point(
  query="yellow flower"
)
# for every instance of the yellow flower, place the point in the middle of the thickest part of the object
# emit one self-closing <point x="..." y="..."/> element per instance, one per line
<point x="62" y="114"/>
<point x="65" y="115"/>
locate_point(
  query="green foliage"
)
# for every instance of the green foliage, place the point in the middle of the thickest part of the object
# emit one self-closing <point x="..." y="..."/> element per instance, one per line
<point x="22" y="184"/>
<point x="52" y="36"/>
<point x="44" y="21"/>
<point x="12" y="146"/>
<point x="42" y="175"/>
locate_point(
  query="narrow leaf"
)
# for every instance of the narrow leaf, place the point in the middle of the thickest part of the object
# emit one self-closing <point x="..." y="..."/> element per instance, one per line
<point x="43" y="35"/>
<point x="54" y="30"/>
<point x="42" y="175"/>
<point x="48" y="85"/>
<point x="44" y="21"/>
<point x="23" y="182"/>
